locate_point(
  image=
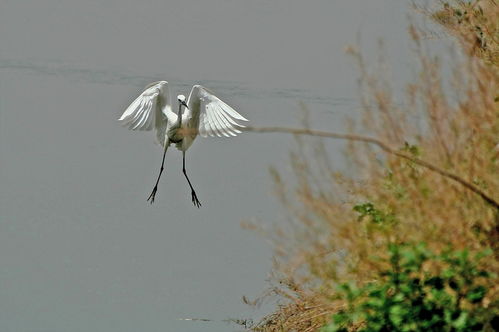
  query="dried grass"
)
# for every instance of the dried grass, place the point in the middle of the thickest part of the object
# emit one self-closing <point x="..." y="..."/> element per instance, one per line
<point x="324" y="243"/>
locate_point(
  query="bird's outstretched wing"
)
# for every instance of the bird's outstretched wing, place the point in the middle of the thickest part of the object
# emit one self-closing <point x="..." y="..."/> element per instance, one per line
<point x="211" y="116"/>
<point x="150" y="110"/>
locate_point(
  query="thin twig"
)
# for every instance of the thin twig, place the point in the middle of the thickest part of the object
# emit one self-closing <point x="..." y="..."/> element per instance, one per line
<point x="196" y="319"/>
<point x="385" y="147"/>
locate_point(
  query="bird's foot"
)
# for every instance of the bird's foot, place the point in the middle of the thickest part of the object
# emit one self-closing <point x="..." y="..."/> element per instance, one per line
<point x="152" y="195"/>
<point x="195" y="199"/>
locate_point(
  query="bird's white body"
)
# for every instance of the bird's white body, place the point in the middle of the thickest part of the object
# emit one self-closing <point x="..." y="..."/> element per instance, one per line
<point x="204" y="113"/>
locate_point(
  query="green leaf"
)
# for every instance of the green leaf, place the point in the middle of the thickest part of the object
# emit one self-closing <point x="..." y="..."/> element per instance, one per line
<point x="476" y="294"/>
<point x="483" y="254"/>
<point x="397" y="313"/>
<point x="461" y="322"/>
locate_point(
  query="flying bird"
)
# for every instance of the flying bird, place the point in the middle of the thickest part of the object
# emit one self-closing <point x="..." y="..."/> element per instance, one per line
<point x="203" y="113"/>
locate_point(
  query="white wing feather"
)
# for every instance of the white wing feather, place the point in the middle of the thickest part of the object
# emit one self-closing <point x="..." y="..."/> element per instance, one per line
<point x="150" y="110"/>
<point x="214" y="117"/>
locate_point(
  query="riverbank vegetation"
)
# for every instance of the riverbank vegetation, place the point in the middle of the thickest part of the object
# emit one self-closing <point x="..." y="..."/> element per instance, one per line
<point x="391" y="245"/>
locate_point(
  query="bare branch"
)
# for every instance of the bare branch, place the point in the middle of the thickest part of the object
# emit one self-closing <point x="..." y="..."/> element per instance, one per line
<point x="385" y="147"/>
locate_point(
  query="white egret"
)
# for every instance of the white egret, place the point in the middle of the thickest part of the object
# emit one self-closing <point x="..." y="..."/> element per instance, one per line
<point x="204" y="114"/>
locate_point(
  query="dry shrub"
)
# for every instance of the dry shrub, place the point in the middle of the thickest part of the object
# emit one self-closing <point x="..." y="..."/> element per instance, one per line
<point x="475" y="23"/>
<point x="456" y="128"/>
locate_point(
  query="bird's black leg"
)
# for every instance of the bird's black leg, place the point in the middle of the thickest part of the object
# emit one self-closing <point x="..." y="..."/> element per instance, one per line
<point x="195" y="199"/>
<point x="155" y="189"/>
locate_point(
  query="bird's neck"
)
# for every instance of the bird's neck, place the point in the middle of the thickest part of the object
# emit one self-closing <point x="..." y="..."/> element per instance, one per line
<point x="179" y="115"/>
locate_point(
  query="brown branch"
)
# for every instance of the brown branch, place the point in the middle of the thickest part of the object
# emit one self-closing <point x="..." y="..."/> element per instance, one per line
<point x="385" y="147"/>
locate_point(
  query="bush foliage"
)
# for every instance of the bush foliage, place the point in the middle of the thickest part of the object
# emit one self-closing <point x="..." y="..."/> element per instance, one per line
<point x="411" y="295"/>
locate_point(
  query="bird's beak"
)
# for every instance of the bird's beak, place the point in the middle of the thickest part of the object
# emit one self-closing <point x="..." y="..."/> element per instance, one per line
<point x="185" y="105"/>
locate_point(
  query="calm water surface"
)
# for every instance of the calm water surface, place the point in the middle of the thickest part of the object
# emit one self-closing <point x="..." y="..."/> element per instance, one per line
<point x="80" y="248"/>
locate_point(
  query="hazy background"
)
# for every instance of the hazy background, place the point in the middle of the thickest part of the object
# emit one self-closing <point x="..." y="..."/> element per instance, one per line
<point x="80" y="248"/>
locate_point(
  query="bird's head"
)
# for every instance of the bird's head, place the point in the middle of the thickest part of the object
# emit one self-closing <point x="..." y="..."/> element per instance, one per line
<point x="181" y="100"/>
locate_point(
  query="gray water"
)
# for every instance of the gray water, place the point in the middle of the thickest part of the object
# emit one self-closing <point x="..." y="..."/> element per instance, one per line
<point x="80" y="248"/>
